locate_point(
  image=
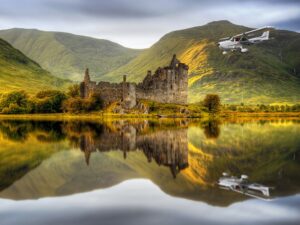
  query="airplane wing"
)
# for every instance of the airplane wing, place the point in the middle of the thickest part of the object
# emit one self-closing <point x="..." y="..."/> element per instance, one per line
<point x="224" y="39"/>
<point x="253" y="31"/>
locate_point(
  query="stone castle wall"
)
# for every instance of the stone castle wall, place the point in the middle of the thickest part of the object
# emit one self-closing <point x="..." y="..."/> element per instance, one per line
<point x="166" y="85"/>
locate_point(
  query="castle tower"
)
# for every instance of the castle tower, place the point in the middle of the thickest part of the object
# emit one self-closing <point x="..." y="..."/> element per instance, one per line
<point x="87" y="78"/>
<point x="174" y="62"/>
<point x="87" y="87"/>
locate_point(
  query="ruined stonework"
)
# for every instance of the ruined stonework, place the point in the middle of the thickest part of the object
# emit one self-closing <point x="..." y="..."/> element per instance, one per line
<point x="166" y="85"/>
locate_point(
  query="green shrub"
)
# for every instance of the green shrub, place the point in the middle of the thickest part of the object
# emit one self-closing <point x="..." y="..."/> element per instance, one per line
<point x="74" y="91"/>
<point x="73" y="105"/>
<point x="48" y="101"/>
<point x="77" y="104"/>
<point x="15" y="102"/>
<point x="15" y="109"/>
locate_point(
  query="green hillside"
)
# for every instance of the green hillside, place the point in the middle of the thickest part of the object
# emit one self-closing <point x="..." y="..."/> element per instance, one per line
<point x="67" y="55"/>
<point x="18" y="72"/>
<point x="268" y="73"/>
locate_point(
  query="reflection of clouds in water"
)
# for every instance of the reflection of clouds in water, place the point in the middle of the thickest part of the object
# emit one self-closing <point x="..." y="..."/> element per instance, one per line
<point x="141" y="202"/>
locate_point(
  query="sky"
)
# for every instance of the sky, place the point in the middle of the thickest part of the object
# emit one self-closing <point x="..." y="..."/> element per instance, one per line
<point x="140" y="23"/>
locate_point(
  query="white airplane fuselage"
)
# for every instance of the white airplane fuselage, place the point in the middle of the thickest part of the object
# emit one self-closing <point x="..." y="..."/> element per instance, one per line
<point x="234" y="44"/>
<point x="230" y="45"/>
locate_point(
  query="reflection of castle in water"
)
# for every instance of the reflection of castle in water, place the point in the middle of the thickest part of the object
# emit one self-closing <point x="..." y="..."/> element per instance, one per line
<point x="166" y="147"/>
<point x="164" y="143"/>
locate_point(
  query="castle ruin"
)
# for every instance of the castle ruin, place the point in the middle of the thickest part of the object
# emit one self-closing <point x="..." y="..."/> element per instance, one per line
<point x="166" y="85"/>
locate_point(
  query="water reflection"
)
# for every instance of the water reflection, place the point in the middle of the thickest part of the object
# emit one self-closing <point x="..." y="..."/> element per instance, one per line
<point x="243" y="186"/>
<point x="166" y="147"/>
<point x="184" y="158"/>
<point x="212" y="129"/>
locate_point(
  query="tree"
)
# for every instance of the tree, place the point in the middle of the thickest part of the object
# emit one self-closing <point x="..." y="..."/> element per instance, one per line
<point x="74" y="91"/>
<point x="212" y="102"/>
<point x="49" y="101"/>
<point x="73" y="105"/>
<point x="15" y="102"/>
<point x="232" y="107"/>
<point x="94" y="102"/>
<point x="77" y="104"/>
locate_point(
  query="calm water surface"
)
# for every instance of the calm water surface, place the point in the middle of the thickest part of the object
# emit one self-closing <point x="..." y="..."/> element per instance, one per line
<point x="149" y="172"/>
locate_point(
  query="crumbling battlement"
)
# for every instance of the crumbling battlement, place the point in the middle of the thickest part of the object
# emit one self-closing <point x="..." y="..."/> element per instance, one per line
<point x="166" y="85"/>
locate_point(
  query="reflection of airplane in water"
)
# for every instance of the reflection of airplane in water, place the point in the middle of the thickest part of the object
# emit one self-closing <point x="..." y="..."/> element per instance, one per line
<point x="243" y="186"/>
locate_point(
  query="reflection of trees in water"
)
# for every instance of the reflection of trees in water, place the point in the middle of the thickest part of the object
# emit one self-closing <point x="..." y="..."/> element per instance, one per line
<point x="212" y="129"/>
<point x="51" y="131"/>
<point x="75" y="131"/>
<point x="163" y="142"/>
<point x="46" y="131"/>
<point x="15" y="130"/>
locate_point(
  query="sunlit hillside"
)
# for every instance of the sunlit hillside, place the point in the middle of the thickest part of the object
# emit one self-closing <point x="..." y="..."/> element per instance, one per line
<point x="268" y="73"/>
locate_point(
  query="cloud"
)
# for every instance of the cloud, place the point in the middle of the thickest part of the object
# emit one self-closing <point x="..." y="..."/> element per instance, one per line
<point x="292" y="24"/>
<point x="139" y="24"/>
<point x="124" y="8"/>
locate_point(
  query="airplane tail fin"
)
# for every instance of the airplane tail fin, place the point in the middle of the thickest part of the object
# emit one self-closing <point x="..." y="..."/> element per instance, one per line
<point x="265" y="35"/>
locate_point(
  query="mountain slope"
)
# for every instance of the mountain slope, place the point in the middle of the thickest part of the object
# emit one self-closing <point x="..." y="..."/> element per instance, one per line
<point x="67" y="55"/>
<point x="268" y="73"/>
<point x="18" y="72"/>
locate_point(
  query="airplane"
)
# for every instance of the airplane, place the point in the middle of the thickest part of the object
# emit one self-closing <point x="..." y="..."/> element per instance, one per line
<point x="237" y="42"/>
<point x="243" y="186"/>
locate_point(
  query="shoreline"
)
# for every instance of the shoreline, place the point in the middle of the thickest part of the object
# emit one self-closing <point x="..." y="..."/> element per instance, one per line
<point x="106" y="116"/>
<point x="260" y="114"/>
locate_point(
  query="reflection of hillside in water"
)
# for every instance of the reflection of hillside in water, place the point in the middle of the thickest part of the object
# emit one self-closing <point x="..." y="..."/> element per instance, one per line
<point x="195" y="152"/>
